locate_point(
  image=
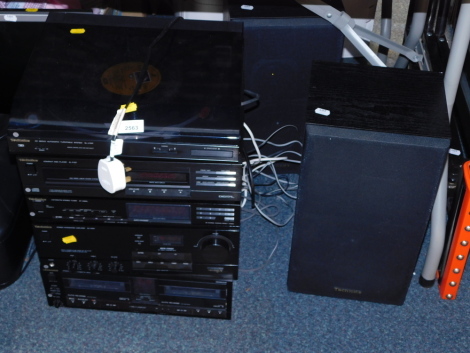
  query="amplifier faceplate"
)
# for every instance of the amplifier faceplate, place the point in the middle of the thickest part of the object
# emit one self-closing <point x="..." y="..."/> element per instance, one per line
<point x="142" y="250"/>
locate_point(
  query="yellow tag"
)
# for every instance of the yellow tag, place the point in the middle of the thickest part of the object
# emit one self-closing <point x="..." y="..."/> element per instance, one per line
<point x="31" y="10"/>
<point x="69" y="239"/>
<point x="77" y="30"/>
<point x="131" y="108"/>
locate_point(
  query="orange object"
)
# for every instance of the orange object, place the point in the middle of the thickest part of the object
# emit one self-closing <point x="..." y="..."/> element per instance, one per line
<point x="451" y="275"/>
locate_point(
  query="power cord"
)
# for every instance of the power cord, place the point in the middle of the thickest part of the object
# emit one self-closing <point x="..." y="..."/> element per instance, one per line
<point x="111" y="171"/>
<point x="280" y="192"/>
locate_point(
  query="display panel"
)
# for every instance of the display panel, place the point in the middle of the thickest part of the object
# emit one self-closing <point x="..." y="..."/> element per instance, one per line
<point x="193" y="292"/>
<point x="166" y="240"/>
<point x="63" y="176"/>
<point x="161" y="212"/>
<point x="160" y="177"/>
<point x="90" y="284"/>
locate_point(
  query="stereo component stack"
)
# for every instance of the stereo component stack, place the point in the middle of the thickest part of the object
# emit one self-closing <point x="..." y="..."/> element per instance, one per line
<point x="168" y="243"/>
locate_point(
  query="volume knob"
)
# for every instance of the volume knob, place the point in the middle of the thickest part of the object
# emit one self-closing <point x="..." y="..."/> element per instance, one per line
<point x="215" y="249"/>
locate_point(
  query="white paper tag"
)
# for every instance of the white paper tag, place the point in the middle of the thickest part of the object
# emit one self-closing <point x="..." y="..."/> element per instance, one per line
<point x="247" y="7"/>
<point x="322" y="111"/>
<point x="10" y="18"/>
<point x="131" y="127"/>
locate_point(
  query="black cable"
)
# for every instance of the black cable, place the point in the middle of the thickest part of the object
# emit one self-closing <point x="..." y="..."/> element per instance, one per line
<point x="142" y="72"/>
<point x="254" y="98"/>
<point x="141" y="75"/>
<point x="140" y="80"/>
<point x="272" y="193"/>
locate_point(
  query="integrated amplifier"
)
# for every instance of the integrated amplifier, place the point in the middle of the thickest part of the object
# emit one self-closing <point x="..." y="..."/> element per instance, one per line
<point x="148" y="179"/>
<point x="88" y="210"/>
<point x="188" y="296"/>
<point x="141" y="251"/>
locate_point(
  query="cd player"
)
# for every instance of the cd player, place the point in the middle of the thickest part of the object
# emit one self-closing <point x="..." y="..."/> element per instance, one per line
<point x="164" y="180"/>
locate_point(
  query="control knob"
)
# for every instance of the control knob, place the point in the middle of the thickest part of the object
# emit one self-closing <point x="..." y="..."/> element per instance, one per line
<point x="115" y="267"/>
<point x="215" y="248"/>
<point x="94" y="266"/>
<point x="73" y="265"/>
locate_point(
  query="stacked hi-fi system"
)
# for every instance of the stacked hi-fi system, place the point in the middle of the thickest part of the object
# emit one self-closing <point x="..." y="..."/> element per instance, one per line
<point x="166" y="243"/>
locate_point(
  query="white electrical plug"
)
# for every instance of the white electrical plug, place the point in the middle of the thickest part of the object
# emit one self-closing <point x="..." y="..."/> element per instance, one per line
<point x="111" y="174"/>
<point x="111" y="171"/>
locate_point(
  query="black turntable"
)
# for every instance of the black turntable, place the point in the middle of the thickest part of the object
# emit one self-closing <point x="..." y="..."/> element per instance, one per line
<point x="85" y="67"/>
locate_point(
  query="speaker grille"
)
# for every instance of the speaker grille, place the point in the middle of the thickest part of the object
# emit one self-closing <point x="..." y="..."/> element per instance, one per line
<point x="365" y="196"/>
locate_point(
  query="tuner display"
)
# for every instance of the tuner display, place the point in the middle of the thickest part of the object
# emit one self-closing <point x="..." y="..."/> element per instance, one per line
<point x="160" y="177"/>
<point x="159" y="212"/>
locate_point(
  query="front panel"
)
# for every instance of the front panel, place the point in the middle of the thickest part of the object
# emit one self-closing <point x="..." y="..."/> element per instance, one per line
<point x="148" y="179"/>
<point x="155" y="295"/>
<point x="363" y="208"/>
<point x="141" y="250"/>
<point x="109" y="211"/>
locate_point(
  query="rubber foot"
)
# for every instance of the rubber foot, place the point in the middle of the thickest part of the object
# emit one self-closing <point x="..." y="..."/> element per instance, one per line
<point x="426" y="283"/>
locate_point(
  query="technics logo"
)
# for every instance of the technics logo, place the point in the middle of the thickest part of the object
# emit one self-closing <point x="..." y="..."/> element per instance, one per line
<point x="346" y="290"/>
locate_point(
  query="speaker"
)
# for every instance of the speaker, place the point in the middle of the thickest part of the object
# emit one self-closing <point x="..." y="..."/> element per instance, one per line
<point x="15" y="225"/>
<point x="17" y="39"/>
<point x="281" y="40"/>
<point x="375" y="147"/>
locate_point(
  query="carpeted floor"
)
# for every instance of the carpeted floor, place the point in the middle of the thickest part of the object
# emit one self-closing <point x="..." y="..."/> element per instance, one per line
<point x="266" y="317"/>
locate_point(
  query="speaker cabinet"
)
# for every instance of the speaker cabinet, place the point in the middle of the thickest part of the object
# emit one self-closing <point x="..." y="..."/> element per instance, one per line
<point x="375" y="146"/>
<point x="282" y="39"/>
<point x="15" y="225"/>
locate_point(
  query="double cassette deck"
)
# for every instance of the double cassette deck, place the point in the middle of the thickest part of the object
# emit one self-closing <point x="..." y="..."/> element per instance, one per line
<point x="169" y="242"/>
<point x="158" y="295"/>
